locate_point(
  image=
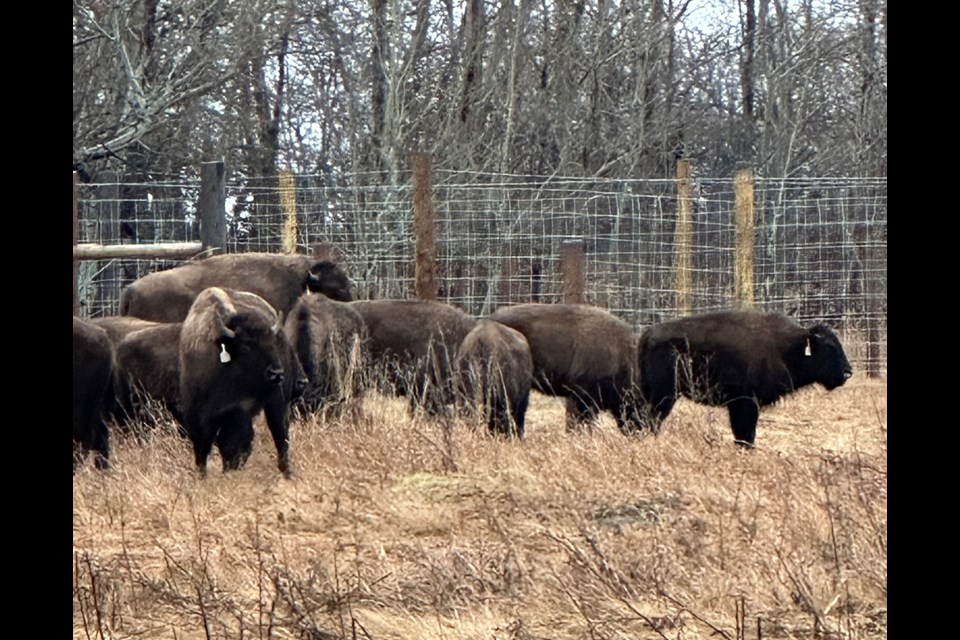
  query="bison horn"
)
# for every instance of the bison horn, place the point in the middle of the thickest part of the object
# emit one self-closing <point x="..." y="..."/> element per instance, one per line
<point x="807" y="351"/>
<point x="224" y="356"/>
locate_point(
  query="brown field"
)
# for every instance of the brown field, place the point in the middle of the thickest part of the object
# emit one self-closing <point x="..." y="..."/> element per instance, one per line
<point x="395" y="527"/>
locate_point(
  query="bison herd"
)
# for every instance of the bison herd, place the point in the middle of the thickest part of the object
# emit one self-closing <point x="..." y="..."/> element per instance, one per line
<point x="218" y="341"/>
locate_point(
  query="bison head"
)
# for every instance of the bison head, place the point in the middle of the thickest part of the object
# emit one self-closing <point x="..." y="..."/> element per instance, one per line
<point x="829" y="364"/>
<point x="250" y="336"/>
<point x="327" y="278"/>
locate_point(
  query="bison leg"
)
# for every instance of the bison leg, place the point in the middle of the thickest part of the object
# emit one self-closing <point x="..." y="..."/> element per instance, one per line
<point x="202" y="438"/>
<point x="101" y="445"/>
<point x="499" y="421"/>
<point x="744" y="413"/>
<point x="581" y="412"/>
<point x="235" y="441"/>
<point x="519" y="412"/>
<point x="278" y="421"/>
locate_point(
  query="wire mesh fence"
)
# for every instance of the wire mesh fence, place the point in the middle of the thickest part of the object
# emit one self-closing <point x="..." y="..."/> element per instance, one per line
<point x="819" y="245"/>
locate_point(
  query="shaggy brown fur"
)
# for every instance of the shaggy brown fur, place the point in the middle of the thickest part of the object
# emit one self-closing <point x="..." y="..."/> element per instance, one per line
<point x="415" y="341"/>
<point x="148" y="368"/>
<point x="495" y="369"/>
<point x="233" y="356"/>
<point x="583" y="353"/>
<point x="166" y="296"/>
<point x="329" y="338"/>
<point x="118" y="327"/>
<point x="92" y="377"/>
<point x="742" y="360"/>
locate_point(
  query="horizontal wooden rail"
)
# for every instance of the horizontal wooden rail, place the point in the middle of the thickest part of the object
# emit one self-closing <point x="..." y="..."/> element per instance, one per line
<point x="172" y="250"/>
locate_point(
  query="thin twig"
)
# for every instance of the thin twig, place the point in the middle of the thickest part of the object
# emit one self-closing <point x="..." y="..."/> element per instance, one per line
<point x="83" y="609"/>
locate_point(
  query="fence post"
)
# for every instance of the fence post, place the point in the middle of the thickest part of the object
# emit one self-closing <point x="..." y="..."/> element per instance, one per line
<point x="573" y="262"/>
<point x="288" y="207"/>
<point x="872" y="269"/>
<point x="423" y="229"/>
<point x="536" y="284"/>
<point x="745" y="224"/>
<point x="108" y="286"/>
<point x="683" y="240"/>
<point x="211" y="207"/>
<point x="76" y="263"/>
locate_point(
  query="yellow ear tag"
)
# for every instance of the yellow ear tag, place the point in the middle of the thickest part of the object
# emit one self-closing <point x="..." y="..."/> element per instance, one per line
<point x="224" y="356"/>
<point x="807" y="351"/>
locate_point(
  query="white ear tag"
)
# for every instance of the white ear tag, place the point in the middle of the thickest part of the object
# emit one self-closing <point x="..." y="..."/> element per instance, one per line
<point x="224" y="356"/>
<point x="807" y="351"/>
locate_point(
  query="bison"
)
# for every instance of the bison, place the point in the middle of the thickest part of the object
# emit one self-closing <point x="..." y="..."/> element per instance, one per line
<point x="166" y="296"/>
<point x="233" y="356"/>
<point x="416" y="342"/>
<point x="329" y="338"/>
<point x="146" y="366"/>
<point x="582" y="353"/>
<point x="92" y="378"/>
<point x="743" y="360"/>
<point x="148" y="371"/>
<point x="495" y="368"/>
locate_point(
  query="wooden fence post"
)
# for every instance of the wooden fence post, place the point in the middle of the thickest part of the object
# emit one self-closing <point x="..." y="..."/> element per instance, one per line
<point x="536" y="283"/>
<point x="76" y="263"/>
<point x="873" y="268"/>
<point x="288" y="207"/>
<point x="211" y="207"/>
<point x="683" y="238"/>
<point x="108" y="286"/>
<point x="745" y="225"/>
<point x="573" y="263"/>
<point x="423" y="229"/>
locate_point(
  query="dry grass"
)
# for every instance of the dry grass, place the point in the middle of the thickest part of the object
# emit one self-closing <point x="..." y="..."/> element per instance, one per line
<point x="399" y="527"/>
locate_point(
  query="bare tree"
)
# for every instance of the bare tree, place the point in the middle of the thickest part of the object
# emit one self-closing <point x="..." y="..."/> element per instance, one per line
<point x="589" y="87"/>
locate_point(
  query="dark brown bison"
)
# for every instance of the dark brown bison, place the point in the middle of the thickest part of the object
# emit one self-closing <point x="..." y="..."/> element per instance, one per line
<point x="495" y="370"/>
<point x="742" y="360"/>
<point x="148" y="373"/>
<point x="128" y="402"/>
<point x="92" y="378"/>
<point x="166" y="296"/>
<point x="583" y="353"/>
<point x="329" y="338"/>
<point x="412" y="345"/>
<point x="233" y="357"/>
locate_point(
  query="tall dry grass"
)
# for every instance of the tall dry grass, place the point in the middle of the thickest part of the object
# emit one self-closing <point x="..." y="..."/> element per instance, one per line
<point x="405" y="527"/>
